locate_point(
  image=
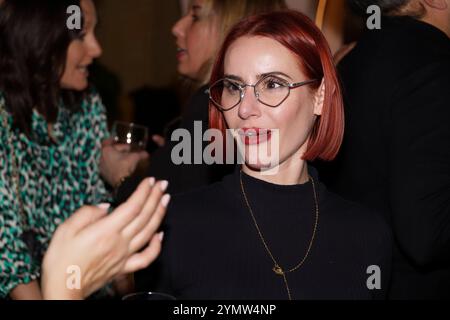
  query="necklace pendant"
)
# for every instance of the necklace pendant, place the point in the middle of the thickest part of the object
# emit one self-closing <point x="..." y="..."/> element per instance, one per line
<point x="277" y="269"/>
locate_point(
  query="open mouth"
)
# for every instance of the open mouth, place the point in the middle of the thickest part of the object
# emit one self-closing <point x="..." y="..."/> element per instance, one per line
<point x="181" y="52"/>
<point x="255" y="136"/>
<point x="84" y="69"/>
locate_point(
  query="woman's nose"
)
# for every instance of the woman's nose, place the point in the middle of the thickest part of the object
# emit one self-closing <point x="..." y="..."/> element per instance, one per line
<point x="97" y="51"/>
<point x="249" y="106"/>
<point x="94" y="48"/>
<point x="179" y="28"/>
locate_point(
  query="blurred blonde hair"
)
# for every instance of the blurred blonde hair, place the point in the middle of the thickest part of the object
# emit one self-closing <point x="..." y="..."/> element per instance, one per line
<point x="226" y="13"/>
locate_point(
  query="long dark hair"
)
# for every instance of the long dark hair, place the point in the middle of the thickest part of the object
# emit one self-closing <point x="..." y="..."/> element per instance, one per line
<point x="34" y="40"/>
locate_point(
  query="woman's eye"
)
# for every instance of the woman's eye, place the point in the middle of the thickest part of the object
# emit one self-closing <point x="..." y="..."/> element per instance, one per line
<point x="230" y="87"/>
<point x="274" y="83"/>
<point x="82" y="35"/>
<point x="195" y="18"/>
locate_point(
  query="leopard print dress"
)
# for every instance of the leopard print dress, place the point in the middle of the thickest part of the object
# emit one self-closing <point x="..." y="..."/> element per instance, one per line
<point x="57" y="176"/>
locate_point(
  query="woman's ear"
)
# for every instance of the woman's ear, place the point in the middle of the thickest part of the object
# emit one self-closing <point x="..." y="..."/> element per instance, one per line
<point x="319" y="98"/>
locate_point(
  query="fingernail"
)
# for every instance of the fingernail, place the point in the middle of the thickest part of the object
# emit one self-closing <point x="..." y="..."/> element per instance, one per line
<point x="164" y="184"/>
<point x="104" y="206"/>
<point x="165" y="200"/>
<point x="161" y="236"/>
<point x="151" y="181"/>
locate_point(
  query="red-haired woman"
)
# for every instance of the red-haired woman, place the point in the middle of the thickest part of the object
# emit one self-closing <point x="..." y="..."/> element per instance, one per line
<point x="274" y="232"/>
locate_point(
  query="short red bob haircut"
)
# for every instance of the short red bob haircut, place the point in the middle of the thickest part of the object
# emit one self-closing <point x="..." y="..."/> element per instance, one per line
<point x="299" y="34"/>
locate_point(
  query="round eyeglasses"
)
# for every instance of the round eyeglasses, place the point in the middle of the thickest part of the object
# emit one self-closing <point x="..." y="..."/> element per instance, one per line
<point x="270" y="90"/>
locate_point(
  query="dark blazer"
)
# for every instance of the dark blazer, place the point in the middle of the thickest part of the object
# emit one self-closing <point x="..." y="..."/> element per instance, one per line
<point x="396" y="152"/>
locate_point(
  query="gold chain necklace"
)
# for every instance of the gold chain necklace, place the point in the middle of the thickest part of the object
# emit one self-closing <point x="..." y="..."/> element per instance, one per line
<point x="277" y="268"/>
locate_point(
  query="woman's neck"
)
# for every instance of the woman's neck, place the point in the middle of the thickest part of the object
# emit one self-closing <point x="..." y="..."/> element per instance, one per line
<point x="291" y="172"/>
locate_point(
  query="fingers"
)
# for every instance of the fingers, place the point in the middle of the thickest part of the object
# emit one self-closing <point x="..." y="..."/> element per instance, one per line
<point x="144" y="236"/>
<point x="159" y="140"/>
<point x="122" y="147"/>
<point x="131" y="160"/>
<point x="107" y="142"/>
<point x="148" y="210"/>
<point x="128" y="211"/>
<point x="143" y="155"/>
<point x="142" y="259"/>
<point x="135" y="157"/>
<point x="84" y="217"/>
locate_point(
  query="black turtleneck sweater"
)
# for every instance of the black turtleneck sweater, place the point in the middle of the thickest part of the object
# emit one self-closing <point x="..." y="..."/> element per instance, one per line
<point x="212" y="250"/>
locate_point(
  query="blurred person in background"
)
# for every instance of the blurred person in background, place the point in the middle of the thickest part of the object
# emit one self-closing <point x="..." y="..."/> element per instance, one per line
<point x="53" y="126"/>
<point x="395" y="156"/>
<point x="198" y="36"/>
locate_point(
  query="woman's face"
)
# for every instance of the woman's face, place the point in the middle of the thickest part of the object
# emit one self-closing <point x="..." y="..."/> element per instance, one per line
<point x="248" y="60"/>
<point x="197" y="40"/>
<point x="82" y="52"/>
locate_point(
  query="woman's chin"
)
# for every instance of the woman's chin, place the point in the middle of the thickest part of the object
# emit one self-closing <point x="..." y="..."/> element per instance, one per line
<point x="260" y="165"/>
<point x="76" y="86"/>
<point x="261" y="159"/>
<point x="266" y="170"/>
<point x="187" y="71"/>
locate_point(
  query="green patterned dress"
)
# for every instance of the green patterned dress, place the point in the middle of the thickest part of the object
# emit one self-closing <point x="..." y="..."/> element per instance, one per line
<point x="56" y="178"/>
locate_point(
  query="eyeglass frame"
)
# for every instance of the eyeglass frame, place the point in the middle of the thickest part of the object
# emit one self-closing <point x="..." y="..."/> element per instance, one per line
<point x="241" y="87"/>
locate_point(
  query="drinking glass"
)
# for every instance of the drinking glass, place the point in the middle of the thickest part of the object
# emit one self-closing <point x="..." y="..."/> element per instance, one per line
<point x="134" y="135"/>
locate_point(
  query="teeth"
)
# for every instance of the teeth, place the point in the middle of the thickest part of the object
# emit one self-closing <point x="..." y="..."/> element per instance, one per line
<point x="254" y="133"/>
<point x="83" y="70"/>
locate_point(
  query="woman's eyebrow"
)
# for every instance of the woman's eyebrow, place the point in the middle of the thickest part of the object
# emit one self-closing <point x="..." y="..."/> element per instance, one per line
<point x="274" y="73"/>
<point x="258" y="77"/>
<point x="233" y="77"/>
